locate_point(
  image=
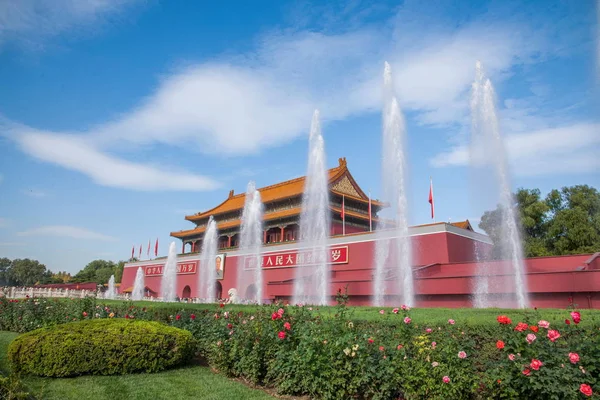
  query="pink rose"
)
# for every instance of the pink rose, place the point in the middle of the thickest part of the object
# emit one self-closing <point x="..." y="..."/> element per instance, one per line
<point x="576" y="316"/>
<point x="553" y="335"/>
<point x="535" y="364"/>
<point x="574" y="358"/>
<point x="511" y="357"/>
<point x="381" y="312"/>
<point x="428" y="330"/>
<point x="586" y="390"/>
<point x="407" y="320"/>
<point x="544" y="324"/>
<point x="395" y="310"/>
<point x="462" y="354"/>
<point x="281" y="335"/>
<point x="433" y="344"/>
<point x="530" y="338"/>
<point x="287" y="326"/>
<point x="381" y="348"/>
<point x="451" y="321"/>
<point x="280" y="311"/>
<point x="446" y="379"/>
<point x="405" y="307"/>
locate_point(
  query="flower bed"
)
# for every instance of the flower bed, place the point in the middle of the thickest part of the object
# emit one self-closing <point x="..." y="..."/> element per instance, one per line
<point x="386" y="356"/>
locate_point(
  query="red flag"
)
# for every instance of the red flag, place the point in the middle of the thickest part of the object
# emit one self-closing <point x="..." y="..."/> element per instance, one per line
<point x="156" y="248"/>
<point x="431" y="197"/>
<point x="148" y="251"/>
<point x="140" y="256"/>
<point x="132" y="251"/>
<point x="343" y="213"/>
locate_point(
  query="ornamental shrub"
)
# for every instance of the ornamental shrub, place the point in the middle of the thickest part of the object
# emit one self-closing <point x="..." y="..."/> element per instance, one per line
<point x="100" y="347"/>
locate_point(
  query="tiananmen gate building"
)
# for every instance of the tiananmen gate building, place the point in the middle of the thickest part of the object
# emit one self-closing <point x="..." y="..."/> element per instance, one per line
<point x="443" y="253"/>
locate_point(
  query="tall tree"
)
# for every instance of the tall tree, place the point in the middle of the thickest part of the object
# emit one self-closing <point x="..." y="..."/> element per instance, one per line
<point x="5" y="265"/>
<point x="567" y="221"/>
<point x="575" y="224"/>
<point x="25" y="272"/>
<point x="98" y="271"/>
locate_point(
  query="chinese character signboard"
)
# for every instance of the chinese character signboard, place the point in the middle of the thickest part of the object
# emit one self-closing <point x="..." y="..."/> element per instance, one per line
<point x="188" y="267"/>
<point x="337" y="255"/>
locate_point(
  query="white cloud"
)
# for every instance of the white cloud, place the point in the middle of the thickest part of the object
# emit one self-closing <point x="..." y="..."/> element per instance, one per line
<point x="569" y="149"/>
<point x="247" y="104"/>
<point x="72" y="232"/>
<point x="30" y="22"/>
<point x="74" y="153"/>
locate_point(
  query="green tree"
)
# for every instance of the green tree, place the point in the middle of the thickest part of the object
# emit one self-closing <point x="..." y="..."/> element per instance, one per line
<point x="98" y="271"/>
<point x="567" y="221"/>
<point x="575" y="223"/>
<point x="25" y="272"/>
<point x="5" y="265"/>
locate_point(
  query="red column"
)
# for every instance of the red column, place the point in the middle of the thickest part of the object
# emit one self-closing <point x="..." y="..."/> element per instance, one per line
<point x="281" y="238"/>
<point x="228" y="241"/>
<point x="183" y="248"/>
<point x="193" y="247"/>
<point x="264" y="236"/>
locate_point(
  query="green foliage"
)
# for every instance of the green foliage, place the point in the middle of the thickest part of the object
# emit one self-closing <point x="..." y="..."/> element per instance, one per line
<point x="100" y="347"/>
<point x="361" y="352"/>
<point x="11" y="388"/>
<point x="567" y="221"/>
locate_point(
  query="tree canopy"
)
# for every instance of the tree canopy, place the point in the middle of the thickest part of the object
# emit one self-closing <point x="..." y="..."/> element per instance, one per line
<point x="566" y="221"/>
<point x="99" y="271"/>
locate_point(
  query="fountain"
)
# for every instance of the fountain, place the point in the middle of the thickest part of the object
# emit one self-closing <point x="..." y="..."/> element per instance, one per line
<point x="208" y="271"/>
<point x="138" y="285"/>
<point x="251" y="275"/>
<point x="169" y="278"/>
<point x="111" y="292"/>
<point x="487" y="150"/>
<point x="312" y="281"/>
<point x="396" y="250"/>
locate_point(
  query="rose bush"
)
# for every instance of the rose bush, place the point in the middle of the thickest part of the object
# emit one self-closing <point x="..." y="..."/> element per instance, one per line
<point x="304" y="351"/>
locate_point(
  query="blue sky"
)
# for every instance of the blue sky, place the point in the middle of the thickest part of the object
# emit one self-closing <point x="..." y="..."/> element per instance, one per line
<point x="119" y="117"/>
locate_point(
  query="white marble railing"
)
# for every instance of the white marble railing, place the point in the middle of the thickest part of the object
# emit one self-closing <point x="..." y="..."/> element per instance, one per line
<point x="23" y="292"/>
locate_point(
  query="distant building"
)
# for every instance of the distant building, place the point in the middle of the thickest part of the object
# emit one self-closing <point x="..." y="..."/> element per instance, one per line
<point x="444" y="266"/>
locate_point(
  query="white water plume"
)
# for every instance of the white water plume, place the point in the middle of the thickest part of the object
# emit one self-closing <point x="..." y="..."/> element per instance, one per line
<point x="312" y="281"/>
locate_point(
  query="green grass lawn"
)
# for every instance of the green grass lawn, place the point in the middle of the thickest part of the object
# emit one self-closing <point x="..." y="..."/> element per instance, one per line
<point x="193" y="382"/>
<point x="421" y="316"/>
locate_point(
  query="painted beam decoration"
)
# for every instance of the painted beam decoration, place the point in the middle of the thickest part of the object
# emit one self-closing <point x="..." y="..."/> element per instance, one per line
<point x="337" y="255"/>
<point x="183" y="268"/>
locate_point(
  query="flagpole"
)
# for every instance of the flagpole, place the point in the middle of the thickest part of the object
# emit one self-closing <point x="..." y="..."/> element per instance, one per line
<point x="344" y="216"/>
<point x="432" y="201"/>
<point x="370" y="214"/>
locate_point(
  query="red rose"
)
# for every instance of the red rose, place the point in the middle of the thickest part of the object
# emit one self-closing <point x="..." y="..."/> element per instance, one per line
<point x="229" y="326"/>
<point x="287" y="326"/>
<point x="568" y="322"/>
<point x="526" y="371"/>
<point x="281" y="335"/>
<point x="536" y="364"/>
<point x="274" y="316"/>
<point x="586" y="389"/>
<point x="500" y="344"/>
<point x="521" y="326"/>
<point x="576" y="316"/>
<point x="504" y="320"/>
<point x="221" y="305"/>
<point x="534" y="328"/>
<point x="371" y="340"/>
<point x="84" y="314"/>
<point x="192" y="316"/>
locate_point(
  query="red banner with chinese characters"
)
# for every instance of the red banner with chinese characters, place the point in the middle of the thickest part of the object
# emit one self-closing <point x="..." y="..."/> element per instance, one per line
<point x="188" y="267"/>
<point x="293" y="258"/>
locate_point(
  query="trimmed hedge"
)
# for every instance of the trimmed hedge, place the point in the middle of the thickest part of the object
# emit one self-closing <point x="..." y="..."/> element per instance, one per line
<point x="100" y="347"/>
